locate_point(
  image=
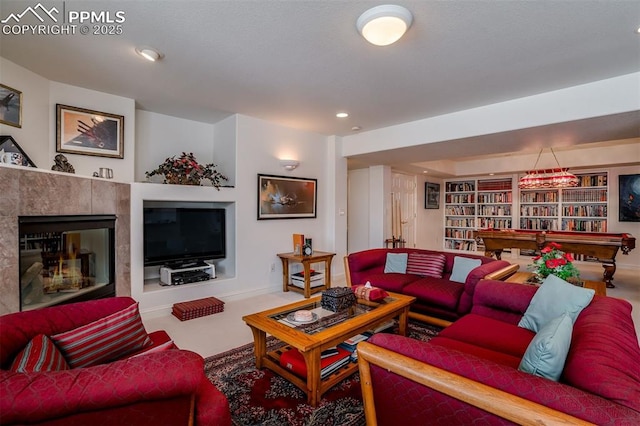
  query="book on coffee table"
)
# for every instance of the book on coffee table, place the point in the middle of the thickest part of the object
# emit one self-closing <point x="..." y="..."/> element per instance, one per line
<point x="293" y="360"/>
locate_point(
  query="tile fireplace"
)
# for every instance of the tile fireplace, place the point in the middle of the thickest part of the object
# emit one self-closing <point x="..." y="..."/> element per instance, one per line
<point x="65" y="259"/>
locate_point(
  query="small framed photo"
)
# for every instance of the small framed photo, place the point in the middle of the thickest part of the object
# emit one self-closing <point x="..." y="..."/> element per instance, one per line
<point x="86" y="132"/>
<point x="11" y="153"/>
<point x="281" y="197"/>
<point x="10" y="106"/>
<point x="629" y="203"/>
<point x="431" y="195"/>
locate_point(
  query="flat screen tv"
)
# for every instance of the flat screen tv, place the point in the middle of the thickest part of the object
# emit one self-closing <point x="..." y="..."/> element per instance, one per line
<point x="180" y="236"/>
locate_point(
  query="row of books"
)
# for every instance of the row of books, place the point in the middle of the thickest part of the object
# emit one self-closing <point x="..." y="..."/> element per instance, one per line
<point x="492" y="185"/>
<point x="460" y="187"/>
<point x="331" y="359"/>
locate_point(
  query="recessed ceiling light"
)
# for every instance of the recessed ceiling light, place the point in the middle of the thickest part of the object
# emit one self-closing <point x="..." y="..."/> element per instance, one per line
<point x="149" y="53"/>
<point x="342" y="115"/>
<point x="385" y="24"/>
<point x="356" y="128"/>
<point x="638" y="30"/>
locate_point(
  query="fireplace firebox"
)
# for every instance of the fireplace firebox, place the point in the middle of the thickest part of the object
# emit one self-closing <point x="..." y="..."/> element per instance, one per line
<point x="65" y="259"/>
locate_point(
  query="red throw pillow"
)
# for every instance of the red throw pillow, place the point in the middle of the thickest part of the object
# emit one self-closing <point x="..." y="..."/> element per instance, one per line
<point x="40" y="354"/>
<point x="106" y="339"/>
<point x="373" y="294"/>
<point x="429" y="265"/>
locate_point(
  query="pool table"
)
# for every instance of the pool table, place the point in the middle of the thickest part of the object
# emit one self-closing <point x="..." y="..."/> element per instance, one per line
<point x="599" y="245"/>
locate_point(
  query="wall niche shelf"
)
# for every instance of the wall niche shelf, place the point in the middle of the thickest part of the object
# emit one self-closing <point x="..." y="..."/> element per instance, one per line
<point x="145" y="285"/>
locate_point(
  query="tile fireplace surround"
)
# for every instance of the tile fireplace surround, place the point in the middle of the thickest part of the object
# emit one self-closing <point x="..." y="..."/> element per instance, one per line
<point x="35" y="192"/>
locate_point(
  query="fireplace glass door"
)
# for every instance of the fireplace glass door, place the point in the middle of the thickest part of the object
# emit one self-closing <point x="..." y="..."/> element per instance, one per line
<point x="65" y="259"/>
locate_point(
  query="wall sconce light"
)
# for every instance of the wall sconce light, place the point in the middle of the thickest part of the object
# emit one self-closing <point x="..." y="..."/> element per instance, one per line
<point x="289" y="165"/>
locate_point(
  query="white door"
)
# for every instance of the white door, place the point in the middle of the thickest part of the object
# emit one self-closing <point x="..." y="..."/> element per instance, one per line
<point x="403" y="204"/>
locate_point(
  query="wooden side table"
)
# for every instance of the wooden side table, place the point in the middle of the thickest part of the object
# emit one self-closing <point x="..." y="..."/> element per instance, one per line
<point x="316" y="257"/>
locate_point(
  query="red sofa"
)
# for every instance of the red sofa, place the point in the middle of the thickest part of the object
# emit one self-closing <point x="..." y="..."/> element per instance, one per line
<point x="162" y="387"/>
<point x="435" y="297"/>
<point x="468" y="374"/>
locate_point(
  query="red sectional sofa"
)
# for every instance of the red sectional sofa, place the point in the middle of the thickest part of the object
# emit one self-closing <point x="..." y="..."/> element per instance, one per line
<point x="476" y="360"/>
<point x="435" y="297"/>
<point x="156" y="387"/>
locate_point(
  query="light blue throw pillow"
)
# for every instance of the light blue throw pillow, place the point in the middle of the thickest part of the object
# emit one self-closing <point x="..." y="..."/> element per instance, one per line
<point x="555" y="297"/>
<point x="546" y="354"/>
<point x="396" y="262"/>
<point x="462" y="266"/>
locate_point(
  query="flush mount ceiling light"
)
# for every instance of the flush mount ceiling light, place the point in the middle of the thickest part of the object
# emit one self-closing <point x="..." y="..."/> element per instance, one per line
<point x="548" y="178"/>
<point x="385" y="24"/>
<point x="149" y="53"/>
<point x="342" y="115"/>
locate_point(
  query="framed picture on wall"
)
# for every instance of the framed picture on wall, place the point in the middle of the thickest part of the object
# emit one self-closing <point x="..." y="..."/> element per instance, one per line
<point x="10" y="106"/>
<point x="281" y="197"/>
<point x="11" y="153"/>
<point x="629" y="206"/>
<point x="431" y="195"/>
<point x="86" y="132"/>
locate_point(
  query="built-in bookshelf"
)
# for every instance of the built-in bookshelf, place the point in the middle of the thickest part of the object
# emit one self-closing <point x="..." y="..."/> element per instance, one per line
<point x="492" y="203"/>
<point x="495" y="201"/>
<point x="539" y="209"/>
<point x="585" y="207"/>
<point x="460" y="215"/>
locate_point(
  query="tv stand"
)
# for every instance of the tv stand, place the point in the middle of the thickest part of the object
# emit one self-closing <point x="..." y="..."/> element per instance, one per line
<point x="186" y="275"/>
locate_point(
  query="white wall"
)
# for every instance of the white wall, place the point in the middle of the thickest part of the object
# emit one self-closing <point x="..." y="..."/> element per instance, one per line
<point x="37" y="137"/>
<point x="336" y="206"/>
<point x="85" y="165"/>
<point x="429" y="222"/>
<point x="260" y="145"/>
<point x="33" y="137"/>
<point x="161" y="136"/>
<point x="358" y="217"/>
<point x="225" y="149"/>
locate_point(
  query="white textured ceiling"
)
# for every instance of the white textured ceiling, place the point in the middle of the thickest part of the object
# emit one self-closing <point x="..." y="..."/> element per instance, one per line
<point x="299" y="62"/>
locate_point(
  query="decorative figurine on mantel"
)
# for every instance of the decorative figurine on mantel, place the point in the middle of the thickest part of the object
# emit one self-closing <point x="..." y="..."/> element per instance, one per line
<point x="185" y="170"/>
<point x="61" y="164"/>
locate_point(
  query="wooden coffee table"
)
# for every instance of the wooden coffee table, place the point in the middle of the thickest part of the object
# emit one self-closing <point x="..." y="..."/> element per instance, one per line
<point x="311" y="339"/>
<point x="521" y="278"/>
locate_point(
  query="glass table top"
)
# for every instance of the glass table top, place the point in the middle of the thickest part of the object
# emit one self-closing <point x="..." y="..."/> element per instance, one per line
<point x="323" y="318"/>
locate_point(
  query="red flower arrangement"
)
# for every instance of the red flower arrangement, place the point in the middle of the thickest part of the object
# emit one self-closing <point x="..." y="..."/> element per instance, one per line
<point x="553" y="261"/>
<point x="185" y="170"/>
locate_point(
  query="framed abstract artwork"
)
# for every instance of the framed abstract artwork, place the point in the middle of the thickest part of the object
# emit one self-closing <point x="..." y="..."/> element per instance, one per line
<point x="281" y="197"/>
<point x="431" y="195"/>
<point x="629" y="190"/>
<point x="86" y="132"/>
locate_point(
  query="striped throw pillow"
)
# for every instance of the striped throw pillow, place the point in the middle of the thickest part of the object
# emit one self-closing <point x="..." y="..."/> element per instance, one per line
<point x="160" y="348"/>
<point x="106" y="339"/>
<point x="428" y="265"/>
<point x="40" y="354"/>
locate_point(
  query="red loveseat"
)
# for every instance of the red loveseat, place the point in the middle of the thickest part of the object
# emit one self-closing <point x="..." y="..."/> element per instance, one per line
<point x="165" y="387"/>
<point x="438" y="300"/>
<point x="469" y="374"/>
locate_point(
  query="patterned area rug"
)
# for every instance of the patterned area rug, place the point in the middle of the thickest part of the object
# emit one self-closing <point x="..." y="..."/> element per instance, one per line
<point x="261" y="397"/>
